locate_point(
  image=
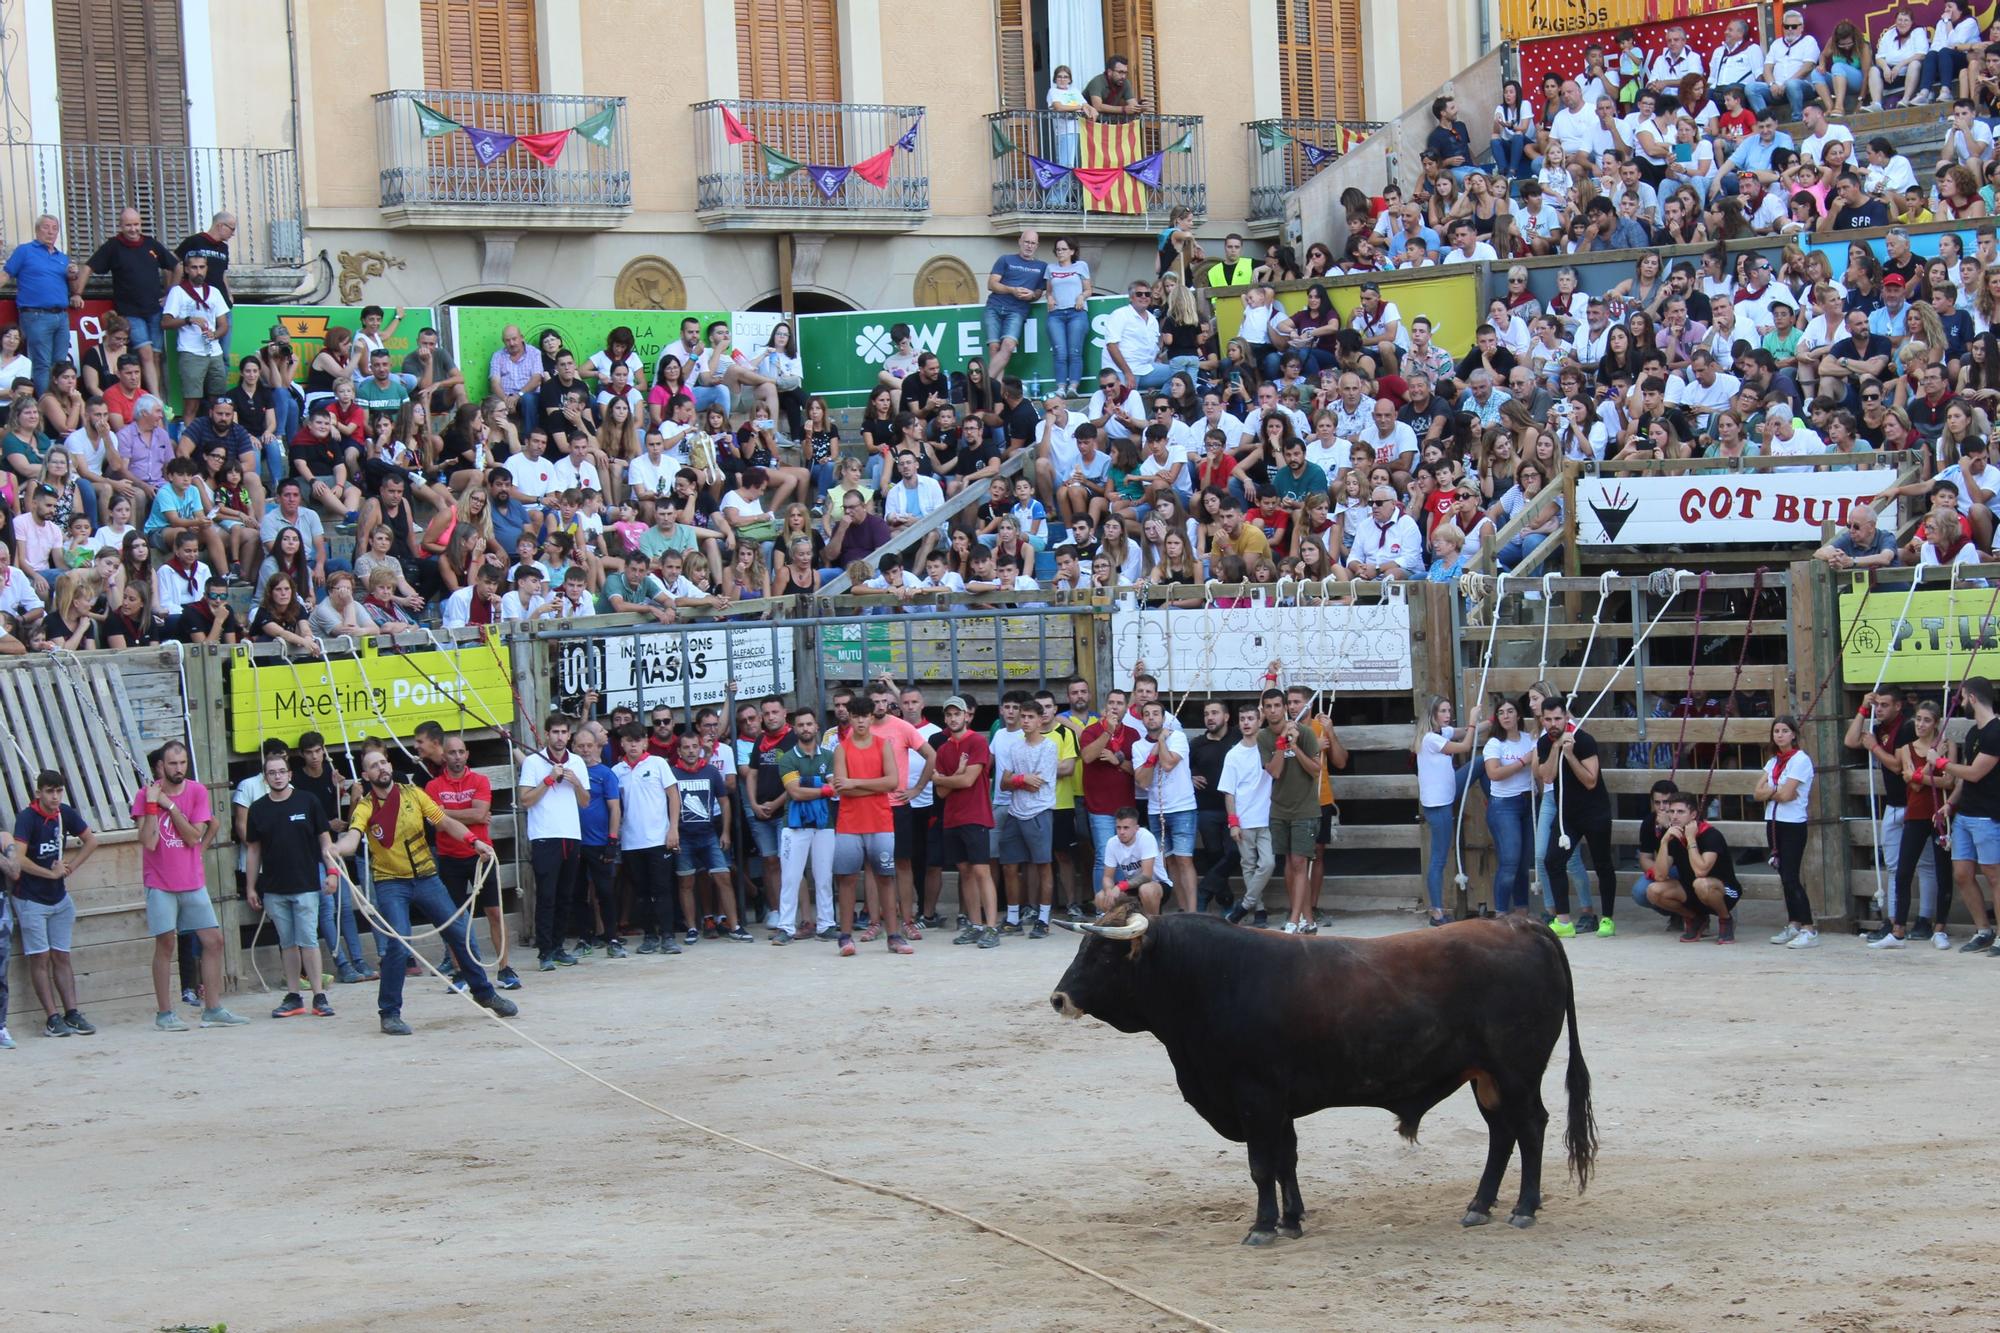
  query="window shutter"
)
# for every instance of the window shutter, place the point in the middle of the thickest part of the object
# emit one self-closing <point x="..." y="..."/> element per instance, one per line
<point x="486" y="46"/>
<point x="1344" y="96"/>
<point x="1319" y="59"/>
<point x="789" y="51"/>
<point x="1130" y="30"/>
<point x="120" y="76"/>
<point x="1017" y="91"/>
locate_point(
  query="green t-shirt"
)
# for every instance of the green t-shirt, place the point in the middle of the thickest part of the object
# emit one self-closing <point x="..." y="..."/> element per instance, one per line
<point x="617" y="585"/>
<point x="814" y="770"/>
<point x="375" y="397"/>
<point x="1785" y="346"/>
<point x="656" y="543"/>
<point x="1289" y="487"/>
<point x="1295" y="792"/>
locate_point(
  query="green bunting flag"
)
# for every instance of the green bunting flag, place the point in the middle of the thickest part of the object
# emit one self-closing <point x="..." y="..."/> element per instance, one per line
<point x="1269" y="137"/>
<point x="434" y="123"/>
<point x="776" y="165"/>
<point x="598" y="128"/>
<point x="1184" y="144"/>
<point x="1002" y="145"/>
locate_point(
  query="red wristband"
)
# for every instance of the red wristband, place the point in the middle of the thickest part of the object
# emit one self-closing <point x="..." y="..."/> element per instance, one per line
<point x="549" y="781"/>
<point x="1235" y="822"/>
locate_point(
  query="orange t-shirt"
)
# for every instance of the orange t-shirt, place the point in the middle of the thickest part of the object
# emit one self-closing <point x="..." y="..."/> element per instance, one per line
<point x="870" y="812"/>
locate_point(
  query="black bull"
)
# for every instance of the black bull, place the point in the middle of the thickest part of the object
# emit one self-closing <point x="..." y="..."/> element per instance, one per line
<point x="1264" y="1028"/>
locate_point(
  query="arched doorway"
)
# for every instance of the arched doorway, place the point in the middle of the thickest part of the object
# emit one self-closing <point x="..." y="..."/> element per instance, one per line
<point x="497" y="296"/>
<point x="807" y="302"/>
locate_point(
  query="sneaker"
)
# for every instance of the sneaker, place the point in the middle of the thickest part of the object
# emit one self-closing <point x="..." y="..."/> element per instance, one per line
<point x="1886" y="941"/>
<point x="897" y="944"/>
<point x="1261" y="921"/>
<point x="498" y="1003"/>
<point x="321" y="1009"/>
<point x="1074" y="912"/>
<point x="1563" y="930"/>
<point x="189" y="997"/>
<point x="1725" y="930"/>
<point x="508" y="979"/>
<point x="963" y="921"/>
<point x="169" y="1022"/>
<point x="1875" y="937"/>
<point x="693" y="936"/>
<point x="1586" y="923"/>
<point x="1692" y="930"/>
<point x="614" y="949"/>
<point x="394" y="1026"/>
<point x="867" y="934"/>
<point x="781" y="937"/>
<point x="1234" y="916"/>
<point x="1922" y="926"/>
<point x="989" y="938"/>
<point x="1940" y="940"/>
<point x="1039" y="931"/>
<point x="584" y="949"/>
<point x="55" y="1027"/>
<point x="1606" y="928"/>
<point x="935" y="921"/>
<point x="913" y="930"/>
<point x="651" y="944"/>
<point x="1981" y="941"/>
<point x="668" y="946"/>
<point x="1805" y="939"/>
<point x="6" y="1040"/>
<point x="1010" y="928"/>
<point x="220" y="1017"/>
<point x="740" y="935"/>
<point x="709" y="929"/>
<point x="78" y="1024"/>
<point x="546" y="963"/>
<point x="1291" y="927"/>
<point x="847" y="946"/>
<point x="970" y="935"/>
<point x="832" y="933"/>
<point x="290" y="1007"/>
<point x="564" y="958"/>
<point x="348" y="974"/>
<point x="458" y="985"/>
<point x="1787" y="935"/>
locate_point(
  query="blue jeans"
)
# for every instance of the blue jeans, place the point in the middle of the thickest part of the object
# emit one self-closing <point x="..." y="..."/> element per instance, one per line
<point x="1941" y="67"/>
<point x="277" y="463"/>
<point x="1796" y="92"/>
<point x="1103" y="828"/>
<point x="1639" y="896"/>
<point x="1857" y="83"/>
<point x="290" y="412"/>
<point x="1069" y="332"/>
<point x="1523" y="546"/>
<point x="1545" y="827"/>
<point x="1510" y="154"/>
<point x="46" y="334"/>
<point x="1003" y="325"/>
<point x="1512" y="827"/>
<point x="1439" y="820"/>
<point x="710" y="395"/>
<point x="396" y="898"/>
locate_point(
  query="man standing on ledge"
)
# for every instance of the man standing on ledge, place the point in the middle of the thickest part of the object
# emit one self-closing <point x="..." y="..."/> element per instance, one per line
<point x="1016" y="282"/>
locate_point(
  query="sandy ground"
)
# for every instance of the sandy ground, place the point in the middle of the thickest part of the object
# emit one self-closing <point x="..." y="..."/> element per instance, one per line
<point x="1765" y="1163"/>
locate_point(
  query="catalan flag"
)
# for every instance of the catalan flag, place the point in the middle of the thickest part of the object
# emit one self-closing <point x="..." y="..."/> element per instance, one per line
<point x="1113" y="145"/>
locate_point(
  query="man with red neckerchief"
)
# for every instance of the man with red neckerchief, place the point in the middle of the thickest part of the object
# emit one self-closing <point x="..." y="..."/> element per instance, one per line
<point x="1702" y="863"/>
<point x="764" y="793"/>
<point x="1104" y="757"/>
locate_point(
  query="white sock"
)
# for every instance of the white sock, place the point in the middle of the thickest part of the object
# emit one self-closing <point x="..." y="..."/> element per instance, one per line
<point x="1013" y="916"/>
<point x="1045" y="913"/>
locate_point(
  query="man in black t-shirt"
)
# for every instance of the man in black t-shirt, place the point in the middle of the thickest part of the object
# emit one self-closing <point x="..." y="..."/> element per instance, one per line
<point x="288" y="852"/>
<point x="1853" y="210"/>
<point x="42" y="907"/>
<point x="1975" y="809"/>
<point x="1567" y="756"/>
<point x="1657" y="888"/>
<point x="142" y="270"/>
<point x="1702" y="862"/>
<point x="1216" y="857"/>
<point x="1892" y="730"/>
<point x="1014" y="420"/>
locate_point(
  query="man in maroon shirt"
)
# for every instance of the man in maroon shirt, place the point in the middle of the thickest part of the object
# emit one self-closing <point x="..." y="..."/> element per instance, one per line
<point x="1104" y="757"/>
<point x="963" y="773"/>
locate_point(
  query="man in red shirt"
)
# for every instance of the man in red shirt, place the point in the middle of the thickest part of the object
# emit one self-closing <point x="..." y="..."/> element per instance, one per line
<point x="964" y="775"/>
<point x="904" y="739"/>
<point x="865" y="827"/>
<point x="468" y="797"/>
<point x="660" y="733"/>
<point x="1104" y="756"/>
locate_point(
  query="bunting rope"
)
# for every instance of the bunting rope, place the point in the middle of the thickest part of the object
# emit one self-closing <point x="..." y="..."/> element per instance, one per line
<point x="489" y="146"/>
<point x="827" y="179"/>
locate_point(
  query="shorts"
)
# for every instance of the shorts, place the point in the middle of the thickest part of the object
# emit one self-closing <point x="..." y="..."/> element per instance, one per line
<point x="701" y="852"/>
<point x="852" y="850"/>
<point x="296" y="916"/>
<point x="1975" y="838"/>
<point x="1327" y="815"/>
<point x="169" y="913"/>
<point x="913" y="831"/>
<point x="455" y="872"/>
<point x="1027" y="841"/>
<point x="764" y="834"/>
<point x="147" y="331"/>
<point x="967" y="845"/>
<point x="1646" y="882"/>
<point x="1002" y="324"/>
<point x="1062" y="829"/>
<point x="1294" y="837"/>
<point x="202" y="376"/>
<point x="44" y="927"/>
<point x="1176" y="832"/>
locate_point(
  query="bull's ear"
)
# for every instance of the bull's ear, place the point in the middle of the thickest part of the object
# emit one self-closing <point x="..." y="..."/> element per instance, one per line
<point x="1138" y="943"/>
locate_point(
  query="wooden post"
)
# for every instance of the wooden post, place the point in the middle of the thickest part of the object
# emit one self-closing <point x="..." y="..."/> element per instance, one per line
<point x="1815" y="640"/>
<point x="1433" y="674"/>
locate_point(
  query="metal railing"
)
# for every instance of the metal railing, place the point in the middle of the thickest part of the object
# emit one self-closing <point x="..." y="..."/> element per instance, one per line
<point x="736" y="177"/>
<point x="1276" y="171"/>
<point x="445" y="172"/>
<point x="1061" y="137"/>
<point x="177" y="190"/>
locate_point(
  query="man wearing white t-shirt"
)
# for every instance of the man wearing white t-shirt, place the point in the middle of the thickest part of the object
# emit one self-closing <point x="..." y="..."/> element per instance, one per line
<point x="554" y="788"/>
<point x="1131" y="857"/>
<point x="1394" y="443"/>
<point x="1132" y="340"/>
<point x="1117" y="411"/>
<point x="1389" y="546"/>
<point x="1820" y="132"/>
<point x="1466" y="247"/>
<point x="650" y="476"/>
<point x="649" y="815"/>
<point x="1160" y="770"/>
<point x="1246" y="802"/>
<point x="197" y="309"/>
<point x="1738" y="61"/>
<point x="1575" y="125"/>
<point x="1788" y="66"/>
<point x="534" y="473"/>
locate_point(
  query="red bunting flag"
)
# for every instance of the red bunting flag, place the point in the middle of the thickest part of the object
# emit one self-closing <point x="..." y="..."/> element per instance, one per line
<point x="732" y="128"/>
<point x="875" y="170"/>
<point x="545" y="147"/>
<point x="1099" y="180"/>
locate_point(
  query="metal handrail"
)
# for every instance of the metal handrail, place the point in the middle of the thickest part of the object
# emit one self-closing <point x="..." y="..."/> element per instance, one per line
<point x="1056" y="136"/>
<point x="445" y="172"/>
<point x="969" y="495"/>
<point x="1276" y="172"/>
<point x="733" y="177"/>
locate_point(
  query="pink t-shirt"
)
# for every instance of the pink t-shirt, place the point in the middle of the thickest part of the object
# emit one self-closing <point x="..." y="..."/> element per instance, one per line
<point x="172" y="865"/>
<point x="902" y="738"/>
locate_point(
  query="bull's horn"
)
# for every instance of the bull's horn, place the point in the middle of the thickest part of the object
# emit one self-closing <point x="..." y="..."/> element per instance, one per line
<point x="1060" y="924"/>
<point x="1133" y="928"/>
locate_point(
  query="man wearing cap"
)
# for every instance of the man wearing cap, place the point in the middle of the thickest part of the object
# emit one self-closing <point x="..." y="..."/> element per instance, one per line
<point x="1891" y="319"/>
<point x="1380" y="325"/>
<point x="1388" y="545"/>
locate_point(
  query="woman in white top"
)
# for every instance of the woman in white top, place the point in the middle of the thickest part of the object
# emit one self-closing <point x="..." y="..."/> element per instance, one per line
<point x="1510" y="784"/>
<point x="1952" y="41"/>
<point x="779" y="361"/>
<point x="1439" y="785"/>
<point x="1784" y="785"/>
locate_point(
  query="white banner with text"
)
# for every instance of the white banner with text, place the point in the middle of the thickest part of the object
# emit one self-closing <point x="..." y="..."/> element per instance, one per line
<point x="688" y="668"/>
<point x="1225" y="650"/>
<point x="1718" y="508"/>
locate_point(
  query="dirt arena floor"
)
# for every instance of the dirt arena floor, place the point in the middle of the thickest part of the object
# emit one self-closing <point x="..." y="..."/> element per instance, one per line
<point x="1785" y="1145"/>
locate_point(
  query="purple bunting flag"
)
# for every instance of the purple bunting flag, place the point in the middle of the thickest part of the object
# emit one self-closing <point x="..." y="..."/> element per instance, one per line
<point x="828" y="179"/>
<point x="908" y="143"/>
<point x="488" y="145"/>
<point x="1146" y="170"/>
<point x="1048" y="174"/>
<point x="1316" y="156"/>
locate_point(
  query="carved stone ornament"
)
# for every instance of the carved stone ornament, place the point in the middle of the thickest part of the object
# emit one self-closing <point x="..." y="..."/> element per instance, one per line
<point x="356" y="267"/>
<point x="649" y="283"/>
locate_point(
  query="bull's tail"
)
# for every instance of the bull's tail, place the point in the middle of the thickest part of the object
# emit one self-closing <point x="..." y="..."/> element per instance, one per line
<point x="1580" y="1137"/>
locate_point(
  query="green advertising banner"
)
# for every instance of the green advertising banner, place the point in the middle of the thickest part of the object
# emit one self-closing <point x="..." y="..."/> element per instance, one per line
<point x="844" y="352"/>
<point x="475" y="332"/>
<point x="251" y="328"/>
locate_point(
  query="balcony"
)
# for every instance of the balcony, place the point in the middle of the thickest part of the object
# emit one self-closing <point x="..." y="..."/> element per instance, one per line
<point x="769" y="181"/>
<point x="441" y="181"/>
<point x="177" y="190"/>
<point x="1019" y="200"/>
<point x="1278" y="170"/>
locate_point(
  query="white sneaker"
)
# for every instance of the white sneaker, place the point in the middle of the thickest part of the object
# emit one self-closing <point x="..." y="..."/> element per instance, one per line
<point x="1808" y="939"/>
<point x="1924" y="98"/>
<point x="1886" y="942"/>
<point x="1787" y="935"/>
<point x="1940" y="940"/>
<point x="6" y="1041"/>
<point x="1291" y="927"/>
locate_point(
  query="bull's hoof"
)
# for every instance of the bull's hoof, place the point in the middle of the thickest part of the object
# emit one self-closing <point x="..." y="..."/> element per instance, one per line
<point x="1521" y="1220"/>
<point x="1474" y="1218"/>
<point x="1290" y="1230"/>
<point x="1261" y="1238"/>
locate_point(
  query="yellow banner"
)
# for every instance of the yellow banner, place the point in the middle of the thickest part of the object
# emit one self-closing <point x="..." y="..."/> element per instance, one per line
<point x="1524" y="20"/>
<point x="1451" y="300"/>
<point x="373" y="694"/>
<point x="1946" y="636"/>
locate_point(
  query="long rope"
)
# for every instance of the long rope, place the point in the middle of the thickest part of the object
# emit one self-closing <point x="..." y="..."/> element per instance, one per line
<point x="1478" y="702"/>
<point x="1742" y="656"/>
<point x="1596" y="621"/>
<point x="1687" y="696"/>
<point x="874" y="1187"/>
